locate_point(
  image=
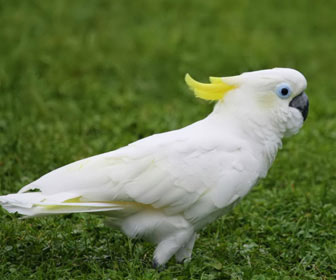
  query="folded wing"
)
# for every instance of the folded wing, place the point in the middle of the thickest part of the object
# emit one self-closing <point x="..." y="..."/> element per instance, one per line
<point x="166" y="171"/>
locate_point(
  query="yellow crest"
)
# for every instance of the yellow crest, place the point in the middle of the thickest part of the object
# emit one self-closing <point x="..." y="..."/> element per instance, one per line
<point x="213" y="91"/>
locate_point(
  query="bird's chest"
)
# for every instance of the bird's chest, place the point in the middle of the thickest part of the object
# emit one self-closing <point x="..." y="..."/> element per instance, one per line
<point x="226" y="180"/>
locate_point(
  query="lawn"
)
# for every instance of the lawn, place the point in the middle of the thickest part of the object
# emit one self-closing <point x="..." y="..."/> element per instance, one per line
<point x="78" y="78"/>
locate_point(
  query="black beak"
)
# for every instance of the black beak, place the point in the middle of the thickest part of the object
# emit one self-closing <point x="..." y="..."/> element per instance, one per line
<point x="301" y="103"/>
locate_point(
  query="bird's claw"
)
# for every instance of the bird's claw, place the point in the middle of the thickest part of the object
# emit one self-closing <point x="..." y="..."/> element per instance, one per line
<point x="156" y="265"/>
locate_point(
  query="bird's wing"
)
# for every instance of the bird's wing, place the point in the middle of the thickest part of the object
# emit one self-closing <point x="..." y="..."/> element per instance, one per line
<point x="171" y="171"/>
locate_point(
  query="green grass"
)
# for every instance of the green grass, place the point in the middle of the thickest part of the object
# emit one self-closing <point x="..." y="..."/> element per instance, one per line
<point x="79" y="78"/>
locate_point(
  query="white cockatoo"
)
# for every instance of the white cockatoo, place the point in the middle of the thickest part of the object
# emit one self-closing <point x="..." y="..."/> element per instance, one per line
<point x="166" y="187"/>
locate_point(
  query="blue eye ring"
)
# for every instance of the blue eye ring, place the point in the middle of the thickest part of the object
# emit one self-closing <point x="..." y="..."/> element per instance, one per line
<point x="283" y="90"/>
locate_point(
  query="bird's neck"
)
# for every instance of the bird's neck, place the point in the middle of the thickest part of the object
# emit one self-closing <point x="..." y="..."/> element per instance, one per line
<point x="265" y="137"/>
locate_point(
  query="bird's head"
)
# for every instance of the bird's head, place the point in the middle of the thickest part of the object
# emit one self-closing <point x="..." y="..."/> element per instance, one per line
<point x="273" y="97"/>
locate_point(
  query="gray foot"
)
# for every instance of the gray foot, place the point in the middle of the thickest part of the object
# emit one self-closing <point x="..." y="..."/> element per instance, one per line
<point x="157" y="266"/>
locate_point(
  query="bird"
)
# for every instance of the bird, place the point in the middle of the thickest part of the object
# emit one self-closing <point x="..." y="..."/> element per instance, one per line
<point x="166" y="187"/>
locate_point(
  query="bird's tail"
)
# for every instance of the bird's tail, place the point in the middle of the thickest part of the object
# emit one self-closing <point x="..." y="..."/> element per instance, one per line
<point x="35" y="204"/>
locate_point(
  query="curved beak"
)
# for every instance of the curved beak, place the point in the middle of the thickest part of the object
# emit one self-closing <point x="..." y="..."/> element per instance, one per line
<point x="301" y="103"/>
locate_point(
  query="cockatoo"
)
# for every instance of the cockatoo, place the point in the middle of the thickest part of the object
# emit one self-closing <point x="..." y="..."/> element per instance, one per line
<point x="166" y="187"/>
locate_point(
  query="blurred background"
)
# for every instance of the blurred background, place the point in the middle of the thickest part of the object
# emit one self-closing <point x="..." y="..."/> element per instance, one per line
<point x="79" y="78"/>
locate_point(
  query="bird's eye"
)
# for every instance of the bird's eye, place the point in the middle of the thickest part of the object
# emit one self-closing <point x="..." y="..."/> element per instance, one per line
<point x="283" y="90"/>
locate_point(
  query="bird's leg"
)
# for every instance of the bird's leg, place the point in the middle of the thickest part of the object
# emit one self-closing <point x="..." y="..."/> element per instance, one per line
<point x="184" y="253"/>
<point x="164" y="251"/>
<point x="169" y="246"/>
